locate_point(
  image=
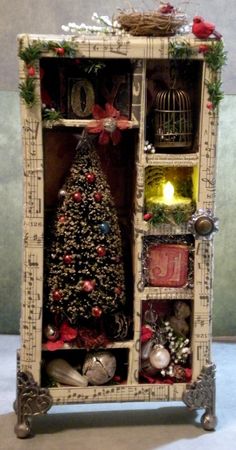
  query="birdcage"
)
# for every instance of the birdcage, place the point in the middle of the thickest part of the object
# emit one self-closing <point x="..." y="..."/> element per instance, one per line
<point x="173" y="119"/>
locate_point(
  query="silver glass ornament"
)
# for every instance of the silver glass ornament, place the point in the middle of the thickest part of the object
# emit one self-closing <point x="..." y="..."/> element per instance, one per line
<point x="51" y="332"/>
<point x="99" y="367"/>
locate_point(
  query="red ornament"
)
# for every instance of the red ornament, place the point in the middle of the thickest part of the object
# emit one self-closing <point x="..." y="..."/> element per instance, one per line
<point x="61" y="219"/>
<point x="147" y="216"/>
<point x="96" y="311"/>
<point x="88" y="286"/>
<point x="210" y="106"/>
<point x="118" y="290"/>
<point x="77" y="197"/>
<point x="97" y="196"/>
<point x="56" y="295"/>
<point x="203" y="48"/>
<point x="31" y="71"/>
<point x="101" y="251"/>
<point x="60" y="51"/>
<point x="90" y="177"/>
<point x="68" y="259"/>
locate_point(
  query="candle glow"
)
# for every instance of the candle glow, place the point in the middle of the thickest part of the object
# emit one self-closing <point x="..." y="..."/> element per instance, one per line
<point x="168" y="193"/>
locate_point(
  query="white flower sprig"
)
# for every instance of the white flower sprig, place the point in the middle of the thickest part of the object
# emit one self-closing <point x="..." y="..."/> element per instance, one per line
<point x="105" y="25"/>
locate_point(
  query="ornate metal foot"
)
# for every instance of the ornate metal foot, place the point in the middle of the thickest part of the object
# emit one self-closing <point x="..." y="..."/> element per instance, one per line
<point x="31" y="401"/>
<point x="201" y="394"/>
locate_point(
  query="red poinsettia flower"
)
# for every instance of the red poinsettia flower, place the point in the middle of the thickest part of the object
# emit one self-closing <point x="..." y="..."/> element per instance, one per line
<point x="67" y="333"/>
<point x="108" y="123"/>
<point x="146" y="333"/>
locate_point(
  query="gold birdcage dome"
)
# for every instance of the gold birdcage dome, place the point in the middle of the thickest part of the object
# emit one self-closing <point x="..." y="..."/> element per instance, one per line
<point x="173" y="119"/>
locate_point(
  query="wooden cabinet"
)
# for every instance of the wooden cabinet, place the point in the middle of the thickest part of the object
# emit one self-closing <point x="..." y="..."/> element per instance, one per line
<point x="161" y="175"/>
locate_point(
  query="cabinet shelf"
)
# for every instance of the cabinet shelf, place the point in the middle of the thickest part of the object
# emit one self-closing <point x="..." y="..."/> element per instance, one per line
<point x="111" y="345"/>
<point x="184" y="159"/>
<point x="154" y="293"/>
<point x="79" y="123"/>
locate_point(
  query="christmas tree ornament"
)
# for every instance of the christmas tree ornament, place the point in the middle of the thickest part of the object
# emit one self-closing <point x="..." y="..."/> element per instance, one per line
<point x="104" y="227"/>
<point x="96" y="311"/>
<point x="56" y="295"/>
<point x="77" y="197"/>
<point x="88" y="285"/>
<point x="99" y="367"/>
<point x="61" y="194"/>
<point x="68" y="259"/>
<point x="62" y="372"/>
<point x="97" y="197"/>
<point x="51" y="332"/>
<point x="90" y="177"/>
<point x="101" y="251"/>
<point x="159" y="357"/>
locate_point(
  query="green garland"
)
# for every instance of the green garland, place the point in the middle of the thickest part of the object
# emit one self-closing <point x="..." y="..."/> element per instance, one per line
<point x="30" y="56"/>
<point x="215" y="57"/>
<point x="27" y="91"/>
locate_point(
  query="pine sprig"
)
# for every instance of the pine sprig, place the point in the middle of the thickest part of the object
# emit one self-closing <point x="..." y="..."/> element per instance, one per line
<point x="27" y="91"/>
<point x="51" y="114"/>
<point x="69" y="50"/>
<point x="180" y="50"/>
<point x="30" y="54"/>
<point x="216" y="57"/>
<point x="215" y="92"/>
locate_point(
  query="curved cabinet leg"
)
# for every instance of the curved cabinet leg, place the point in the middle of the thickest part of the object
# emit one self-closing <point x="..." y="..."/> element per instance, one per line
<point x="201" y="394"/>
<point x="31" y="401"/>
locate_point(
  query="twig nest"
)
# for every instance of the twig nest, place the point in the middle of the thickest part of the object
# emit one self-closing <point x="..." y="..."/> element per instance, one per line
<point x="151" y="23"/>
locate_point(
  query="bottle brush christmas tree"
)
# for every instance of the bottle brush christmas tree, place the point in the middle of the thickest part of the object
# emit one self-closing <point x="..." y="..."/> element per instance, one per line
<point x="84" y="264"/>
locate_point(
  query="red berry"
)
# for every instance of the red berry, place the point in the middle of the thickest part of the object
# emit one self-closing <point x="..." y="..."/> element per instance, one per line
<point x="101" y="251"/>
<point x="56" y="295"/>
<point x="60" y="51"/>
<point x="90" y="177"/>
<point x="97" y="197"/>
<point x="31" y="71"/>
<point x="147" y="217"/>
<point x="88" y="286"/>
<point x="203" y="48"/>
<point x="67" y="259"/>
<point x="96" y="311"/>
<point x="210" y="105"/>
<point x="77" y="197"/>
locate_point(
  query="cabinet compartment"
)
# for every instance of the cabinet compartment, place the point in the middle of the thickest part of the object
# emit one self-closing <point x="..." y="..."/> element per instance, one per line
<point x="173" y="105"/>
<point x="165" y="354"/>
<point x="69" y="224"/>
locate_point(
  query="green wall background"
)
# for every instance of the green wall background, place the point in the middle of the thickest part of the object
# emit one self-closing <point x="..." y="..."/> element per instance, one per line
<point x="47" y="16"/>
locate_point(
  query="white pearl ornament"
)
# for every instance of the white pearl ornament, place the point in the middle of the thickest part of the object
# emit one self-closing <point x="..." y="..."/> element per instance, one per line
<point x="159" y="357"/>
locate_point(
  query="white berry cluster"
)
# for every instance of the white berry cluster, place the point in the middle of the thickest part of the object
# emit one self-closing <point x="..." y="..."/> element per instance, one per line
<point x="104" y="26"/>
<point x="149" y="148"/>
<point x="178" y="346"/>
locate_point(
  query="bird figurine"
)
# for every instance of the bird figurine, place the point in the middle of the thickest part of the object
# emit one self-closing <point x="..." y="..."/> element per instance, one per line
<point x="203" y="29"/>
<point x="166" y="8"/>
